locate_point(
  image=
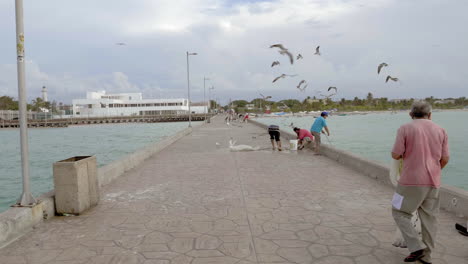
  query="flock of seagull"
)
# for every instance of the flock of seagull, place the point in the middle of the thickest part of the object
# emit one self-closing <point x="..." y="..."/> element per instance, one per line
<point x="302" y="85"/>
<point x="379" y="68"/>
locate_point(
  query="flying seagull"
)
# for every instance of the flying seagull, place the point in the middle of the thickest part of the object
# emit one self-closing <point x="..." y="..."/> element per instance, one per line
<point x="265" y="97"/>
<point x="381" y="65"/>
<point x="283" y="51"/>
<point x="275" y="63"/>
<point x="289" y="54"/>
<point x="317" y="51"/>
<point x="302" y="89"/>
<point x="299" y="56"/>
<point x="280" y="46"/>
<point x="395" y="79"/>
<point x="120" y="44"/>
<point x="283" y="76"/>
<point x="332" y="87"/>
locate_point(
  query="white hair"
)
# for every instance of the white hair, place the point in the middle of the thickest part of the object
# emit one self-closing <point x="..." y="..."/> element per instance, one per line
<point x="421" y="109"/>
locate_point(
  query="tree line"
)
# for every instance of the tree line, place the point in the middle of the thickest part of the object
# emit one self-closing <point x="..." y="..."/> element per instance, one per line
<point x="356" y="104"/>
<point x="9" y="103"/>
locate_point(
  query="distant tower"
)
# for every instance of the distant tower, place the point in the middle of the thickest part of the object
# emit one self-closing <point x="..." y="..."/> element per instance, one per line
<point x="44" y="94"/>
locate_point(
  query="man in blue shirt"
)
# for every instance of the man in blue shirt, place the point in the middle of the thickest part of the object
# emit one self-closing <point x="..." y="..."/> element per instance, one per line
<point x="317" y="128"/>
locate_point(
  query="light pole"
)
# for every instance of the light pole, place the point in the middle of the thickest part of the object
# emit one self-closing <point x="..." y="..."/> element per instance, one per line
<point x="188" y="88"/>
<point x="204" y="95"/>
<point x="26" y="198"/>
<point x="209" y="100"/>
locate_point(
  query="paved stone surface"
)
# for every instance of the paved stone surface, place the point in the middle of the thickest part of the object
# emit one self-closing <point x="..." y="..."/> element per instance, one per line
<point x="199" y="203"/>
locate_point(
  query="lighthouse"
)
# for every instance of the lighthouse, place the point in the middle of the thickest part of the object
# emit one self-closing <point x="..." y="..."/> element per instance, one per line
<point x="44" y="94"/>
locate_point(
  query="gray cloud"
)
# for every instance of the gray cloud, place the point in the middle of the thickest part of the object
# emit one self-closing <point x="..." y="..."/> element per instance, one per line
<point x="70" y="47"/>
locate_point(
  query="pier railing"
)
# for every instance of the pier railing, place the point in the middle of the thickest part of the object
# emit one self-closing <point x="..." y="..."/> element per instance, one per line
<point x="64" y="122"/>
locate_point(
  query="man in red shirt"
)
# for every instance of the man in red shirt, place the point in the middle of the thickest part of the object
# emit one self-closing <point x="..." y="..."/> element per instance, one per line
<point x="423" y="146"/>
<point x="304" y="136"/>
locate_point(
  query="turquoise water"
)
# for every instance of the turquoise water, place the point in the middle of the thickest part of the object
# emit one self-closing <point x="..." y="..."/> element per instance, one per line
<point x="107" y="142"/>
<point x="372" y="136"/>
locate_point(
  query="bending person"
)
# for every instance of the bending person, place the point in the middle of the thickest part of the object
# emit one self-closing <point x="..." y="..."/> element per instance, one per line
<point x="304" y="137"/>
<point x="274" y="132"/>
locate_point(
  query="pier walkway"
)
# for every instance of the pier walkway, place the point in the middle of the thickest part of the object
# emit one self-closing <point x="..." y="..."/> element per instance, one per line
<point x="198" y="203"/>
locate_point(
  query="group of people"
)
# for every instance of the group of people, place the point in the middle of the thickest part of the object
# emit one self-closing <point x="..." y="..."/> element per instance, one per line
<point x="232" y="115"/>
<point x="423" y="147"/>
<point x="304" y="136"/>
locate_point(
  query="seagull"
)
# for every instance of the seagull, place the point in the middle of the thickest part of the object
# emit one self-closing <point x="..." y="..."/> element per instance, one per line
<point x="391" y="78"/>
<point x="332" y="87"/>
<point x="289" y="54"/>
<point x="120" y="44"/>
<point x="283" y="76"/>
<point x="299" y="86"/>
<point x="265" y="97"/>
<point x="317" y="51"/>
<point x="299" y="56"/>
<point x="283" y="51"/>
<point x="280" y="46"/>
<point x="275" y="63"/>
<point x="381" y="65"/>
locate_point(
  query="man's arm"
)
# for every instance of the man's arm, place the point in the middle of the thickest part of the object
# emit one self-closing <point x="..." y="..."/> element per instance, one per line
<point x="326" y="129"/>
<point x="444" y="161"/>
<point x="396" y="156"/>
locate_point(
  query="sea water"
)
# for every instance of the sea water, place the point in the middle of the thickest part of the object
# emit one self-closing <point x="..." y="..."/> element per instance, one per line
<point x="372" y="136"/>
<point x="107" y="142"/>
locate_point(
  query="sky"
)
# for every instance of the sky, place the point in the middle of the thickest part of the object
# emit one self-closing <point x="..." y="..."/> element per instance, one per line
<point x="71" y="48"/>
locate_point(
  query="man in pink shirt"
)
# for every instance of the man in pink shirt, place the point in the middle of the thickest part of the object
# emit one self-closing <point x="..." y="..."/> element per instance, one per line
<point x="304" y="136"/>
<point x="423" y="146"/>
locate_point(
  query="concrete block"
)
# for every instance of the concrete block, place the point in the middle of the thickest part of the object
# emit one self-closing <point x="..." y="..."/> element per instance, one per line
<point x="76" y="185"/>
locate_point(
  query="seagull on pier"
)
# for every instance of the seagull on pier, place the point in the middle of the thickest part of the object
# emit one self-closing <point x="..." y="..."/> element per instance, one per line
<point x="381" y="65"/>
<point x="275" y="63"/>
<point x="391" y="78"/>
<point x="317" y="51"/>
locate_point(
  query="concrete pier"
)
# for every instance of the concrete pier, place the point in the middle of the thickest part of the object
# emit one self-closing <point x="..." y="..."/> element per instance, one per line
<point x="196" y="202"/>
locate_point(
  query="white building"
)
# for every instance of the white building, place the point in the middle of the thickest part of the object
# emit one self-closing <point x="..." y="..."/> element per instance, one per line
<point x="101" y="104"/>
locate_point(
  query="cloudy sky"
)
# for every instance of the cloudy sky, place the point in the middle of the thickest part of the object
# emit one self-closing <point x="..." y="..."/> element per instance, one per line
<point x="70" y="47"/>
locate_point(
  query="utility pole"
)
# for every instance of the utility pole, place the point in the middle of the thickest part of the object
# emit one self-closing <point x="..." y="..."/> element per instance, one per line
<point x="26" y="198"/>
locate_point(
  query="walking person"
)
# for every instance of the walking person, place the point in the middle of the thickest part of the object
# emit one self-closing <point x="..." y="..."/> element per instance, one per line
<point x="320" y="123"/>
<point x="423" y="146"/>
<point x="274" y="132"/>
<point x="304" y="136"/>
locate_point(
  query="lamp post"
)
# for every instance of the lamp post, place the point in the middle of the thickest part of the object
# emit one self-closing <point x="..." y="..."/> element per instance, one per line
<point x="188" y="88"/>
<point x="204" y="95"/>
<point x="209" y="99"/>
<point x="26" y="198"/>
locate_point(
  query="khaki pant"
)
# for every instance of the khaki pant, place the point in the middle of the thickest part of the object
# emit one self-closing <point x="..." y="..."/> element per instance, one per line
<point x="425" y="200"/>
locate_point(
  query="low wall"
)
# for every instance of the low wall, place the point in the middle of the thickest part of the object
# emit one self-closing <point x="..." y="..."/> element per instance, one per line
<point x="17" y="221"/>
<point x="452" y="199"/>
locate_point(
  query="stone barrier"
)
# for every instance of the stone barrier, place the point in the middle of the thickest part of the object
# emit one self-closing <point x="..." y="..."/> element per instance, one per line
<point x="16" y="221"/>
<point x="452" y="199"/>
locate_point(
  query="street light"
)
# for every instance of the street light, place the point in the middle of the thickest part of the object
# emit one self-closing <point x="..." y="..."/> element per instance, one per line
<point x="188" y="88"/>
<point x="204" y="95"/>
<point x="26" y="198"/>
<point x="209" y="99"/>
